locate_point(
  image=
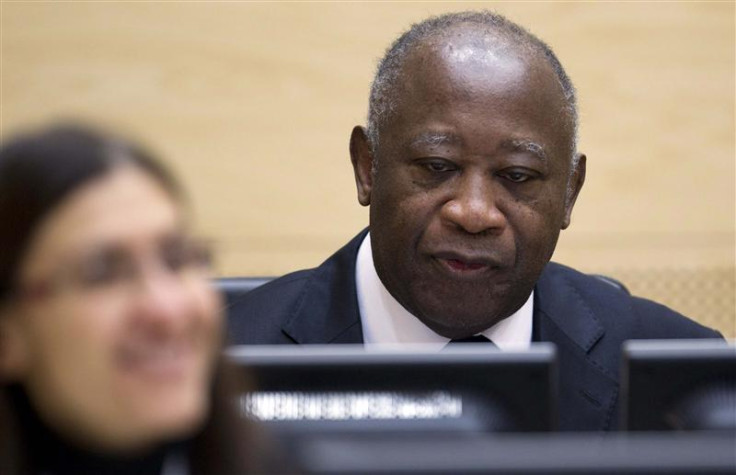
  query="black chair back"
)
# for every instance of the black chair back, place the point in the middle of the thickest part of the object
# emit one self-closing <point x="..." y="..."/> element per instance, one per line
<point x="233" y="288"/>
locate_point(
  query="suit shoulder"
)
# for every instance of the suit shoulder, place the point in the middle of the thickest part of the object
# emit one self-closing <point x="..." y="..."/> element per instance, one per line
<point x="257" y="317"/>
<point x="275" y="293"/>
<point x="631" y="316"/>
<point x="655" y="320"/>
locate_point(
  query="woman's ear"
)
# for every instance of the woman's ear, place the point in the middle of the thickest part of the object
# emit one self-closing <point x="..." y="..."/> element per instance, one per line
<point x="13" y="348"/>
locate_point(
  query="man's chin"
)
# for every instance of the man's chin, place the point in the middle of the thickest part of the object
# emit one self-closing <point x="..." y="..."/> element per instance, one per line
<point x="448" y="322"/>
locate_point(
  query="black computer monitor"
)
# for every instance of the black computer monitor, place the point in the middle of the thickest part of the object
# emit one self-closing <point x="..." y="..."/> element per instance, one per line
<point x="678" y="385"/>
<point x="343" y="388"/>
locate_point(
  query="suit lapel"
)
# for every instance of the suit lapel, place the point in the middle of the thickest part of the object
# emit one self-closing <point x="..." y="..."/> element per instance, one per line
<point x="327" y="310"/>
<point x="588" y="388"/>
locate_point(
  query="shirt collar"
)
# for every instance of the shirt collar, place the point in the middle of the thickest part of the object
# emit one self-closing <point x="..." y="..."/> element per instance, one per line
<point x="386" y="322"/>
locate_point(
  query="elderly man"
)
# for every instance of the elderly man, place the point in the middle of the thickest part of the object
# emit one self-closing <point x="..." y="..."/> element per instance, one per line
<point x="470" y="168"/>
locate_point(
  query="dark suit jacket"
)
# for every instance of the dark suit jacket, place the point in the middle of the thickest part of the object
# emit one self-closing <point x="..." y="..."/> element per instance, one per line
<point x="587" y="318"/>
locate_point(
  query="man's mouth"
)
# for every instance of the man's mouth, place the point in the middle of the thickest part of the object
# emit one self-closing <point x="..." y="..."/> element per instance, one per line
<point x="460" y="264"/>
<point x="465" y="266"/>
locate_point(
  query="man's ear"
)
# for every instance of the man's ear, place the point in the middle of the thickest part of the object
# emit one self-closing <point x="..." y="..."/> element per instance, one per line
<point x="13" y="349"/>
<point x="574" y="185"/>
<point x="361" y="156"/>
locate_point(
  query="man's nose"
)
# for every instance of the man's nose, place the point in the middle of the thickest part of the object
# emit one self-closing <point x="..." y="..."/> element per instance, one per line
<point x="474" y="205"/>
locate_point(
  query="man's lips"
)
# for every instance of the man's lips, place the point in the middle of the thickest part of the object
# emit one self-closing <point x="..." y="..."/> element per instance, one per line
<point x="466" y="263"/>
<point x="462" y="265"/>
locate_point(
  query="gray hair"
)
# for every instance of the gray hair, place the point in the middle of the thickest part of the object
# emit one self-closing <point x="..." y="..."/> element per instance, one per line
<point x="383" y="100"/>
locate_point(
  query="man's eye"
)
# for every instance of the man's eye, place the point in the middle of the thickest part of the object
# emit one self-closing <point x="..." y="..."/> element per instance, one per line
<point x="516" y="176"/>
<point x="439" y="166"/>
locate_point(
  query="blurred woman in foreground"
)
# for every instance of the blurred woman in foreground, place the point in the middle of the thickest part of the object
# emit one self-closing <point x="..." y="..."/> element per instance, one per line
<point x="109" y="330"/>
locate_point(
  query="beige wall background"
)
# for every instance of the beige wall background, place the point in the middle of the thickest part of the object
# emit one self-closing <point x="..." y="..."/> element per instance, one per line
<point x="253" y="103"/>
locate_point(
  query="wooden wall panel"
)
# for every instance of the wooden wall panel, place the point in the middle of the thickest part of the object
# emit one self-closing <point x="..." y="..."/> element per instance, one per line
<point x="253" y="103"/>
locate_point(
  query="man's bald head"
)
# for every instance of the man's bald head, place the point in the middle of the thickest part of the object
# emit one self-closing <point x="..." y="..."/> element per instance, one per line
<point x="481" y="33"/>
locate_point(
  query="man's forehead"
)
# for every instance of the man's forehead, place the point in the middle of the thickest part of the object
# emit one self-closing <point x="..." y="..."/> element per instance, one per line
<point x="466" y="72"/>
<point x="455" y="62"/>
<point x="463" y="66"/>
<point x="476" y="47"/>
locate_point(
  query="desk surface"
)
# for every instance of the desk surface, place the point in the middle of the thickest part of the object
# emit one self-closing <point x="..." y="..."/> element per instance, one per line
<point x="579" y="453"/>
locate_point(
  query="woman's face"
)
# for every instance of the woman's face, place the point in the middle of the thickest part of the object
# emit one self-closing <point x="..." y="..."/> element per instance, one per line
<point x="116" y="336"/>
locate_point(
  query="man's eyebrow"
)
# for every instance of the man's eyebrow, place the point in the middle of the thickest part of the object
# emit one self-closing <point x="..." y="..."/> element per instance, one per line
<point x="527" y="146"/>
<point x="434" y="139"/>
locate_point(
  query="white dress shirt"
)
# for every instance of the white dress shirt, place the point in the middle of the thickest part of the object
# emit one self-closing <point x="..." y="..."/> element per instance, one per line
<point x="386" y="322"/>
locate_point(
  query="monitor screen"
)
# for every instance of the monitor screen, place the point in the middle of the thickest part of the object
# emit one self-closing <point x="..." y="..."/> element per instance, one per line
<point x="344" y="388"/>
<point x="678" y="385"/>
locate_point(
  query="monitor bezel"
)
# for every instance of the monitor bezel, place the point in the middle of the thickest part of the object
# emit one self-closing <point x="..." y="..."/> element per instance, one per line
<point x="655" y="374"/>
<point x="524" y="382"/>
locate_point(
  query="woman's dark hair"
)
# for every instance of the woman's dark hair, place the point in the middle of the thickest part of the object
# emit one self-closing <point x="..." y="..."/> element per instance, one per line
<point x="39" y="170"/>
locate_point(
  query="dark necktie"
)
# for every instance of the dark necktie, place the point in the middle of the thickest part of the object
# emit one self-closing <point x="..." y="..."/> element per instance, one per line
<point x="471" y="339"/>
